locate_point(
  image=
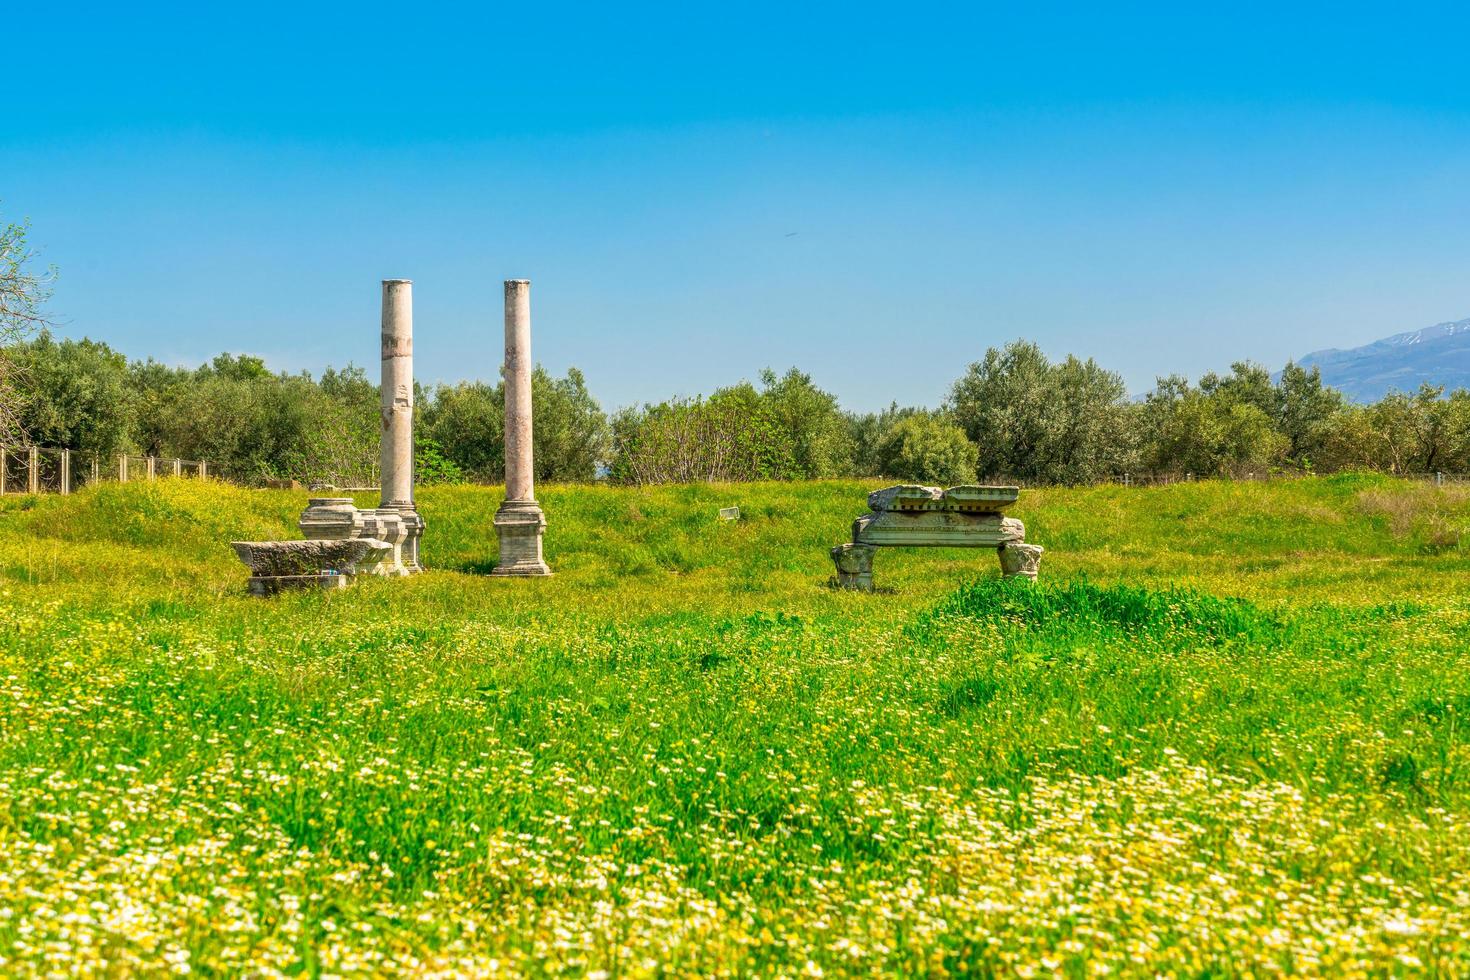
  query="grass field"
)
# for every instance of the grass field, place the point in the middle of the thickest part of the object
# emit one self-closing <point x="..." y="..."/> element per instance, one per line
<point x="1222" y="736"/>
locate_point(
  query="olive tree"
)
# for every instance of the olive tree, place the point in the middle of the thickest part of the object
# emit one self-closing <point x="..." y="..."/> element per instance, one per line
<point x="23" y="293"/>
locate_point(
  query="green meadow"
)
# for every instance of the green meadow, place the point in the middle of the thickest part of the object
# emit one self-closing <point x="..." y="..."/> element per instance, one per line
<point x="1221" y="736"/>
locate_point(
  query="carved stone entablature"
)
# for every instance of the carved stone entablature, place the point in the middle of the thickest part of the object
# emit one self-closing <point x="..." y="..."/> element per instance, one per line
<point x="930" y="517"/>
<point x="963" y="499"/>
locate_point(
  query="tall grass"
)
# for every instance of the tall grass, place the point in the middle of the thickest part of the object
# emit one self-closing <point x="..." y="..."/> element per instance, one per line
<point x="1221" y="735"/>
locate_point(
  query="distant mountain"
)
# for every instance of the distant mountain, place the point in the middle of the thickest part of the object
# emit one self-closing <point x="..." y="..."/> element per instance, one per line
<point x="1437" y="355"/>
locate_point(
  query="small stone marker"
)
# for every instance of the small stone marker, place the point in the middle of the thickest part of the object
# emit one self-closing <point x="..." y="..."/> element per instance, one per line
<point x="729" y="513"/>
<point x="928" y="517"/>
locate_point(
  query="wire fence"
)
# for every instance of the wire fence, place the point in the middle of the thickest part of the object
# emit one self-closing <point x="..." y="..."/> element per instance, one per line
<point x="38" y="469"/>
<point x="1264" y="476"/>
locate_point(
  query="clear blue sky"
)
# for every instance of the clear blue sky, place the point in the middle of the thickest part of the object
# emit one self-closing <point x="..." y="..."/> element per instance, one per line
<point x="873" y="193"/>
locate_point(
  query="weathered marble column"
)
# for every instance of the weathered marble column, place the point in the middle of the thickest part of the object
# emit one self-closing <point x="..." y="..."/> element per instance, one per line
<point x="396" y="392"/>
<point x="519" y="523"/>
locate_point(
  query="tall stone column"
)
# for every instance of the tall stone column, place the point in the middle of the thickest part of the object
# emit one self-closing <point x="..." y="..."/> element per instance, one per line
<point x="519" y="523"/>
<point x="396" y="393"/>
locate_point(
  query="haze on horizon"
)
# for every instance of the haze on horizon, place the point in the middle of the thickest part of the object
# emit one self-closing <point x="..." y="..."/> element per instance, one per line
<point x="698" y="194"/>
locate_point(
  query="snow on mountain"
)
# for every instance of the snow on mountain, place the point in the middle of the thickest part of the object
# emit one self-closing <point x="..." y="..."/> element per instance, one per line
<point x="1437" y="355"/>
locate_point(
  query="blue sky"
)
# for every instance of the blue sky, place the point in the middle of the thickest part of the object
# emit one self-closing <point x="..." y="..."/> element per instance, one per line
<point x="873" y="193"/>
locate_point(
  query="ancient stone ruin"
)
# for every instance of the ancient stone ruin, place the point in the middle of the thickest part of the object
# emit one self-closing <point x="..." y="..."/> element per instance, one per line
<point x="277" y="565"/>
<point x="396" y="395"/>
<point x="338" y="519"/>
<point x="928" y="517"/>
<point x="334" y="527"/>
<point x="519" y="522"/>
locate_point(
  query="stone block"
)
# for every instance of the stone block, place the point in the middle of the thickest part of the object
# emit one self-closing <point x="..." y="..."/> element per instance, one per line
<point x="269" y="585"/>
<point x="331" y="519"/>
<point x="854" y="564"/>
<point x="965" y="499"/>
<point x="519" y="524"/>
<point x="936" y="529"/>
<point x="338" y="519"/>
<point x="387" y="525"/>
<point x="413" y="532"/>
<point x="1019" y="560"/>
<point x="273" y="559"/>
<point x="915" y="516"/>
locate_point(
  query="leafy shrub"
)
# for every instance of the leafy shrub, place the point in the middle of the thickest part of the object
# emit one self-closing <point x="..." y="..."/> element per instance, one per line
<point x="731" y="437"/>
<point x="431" y="466"/>
<point x="928" y="449"/>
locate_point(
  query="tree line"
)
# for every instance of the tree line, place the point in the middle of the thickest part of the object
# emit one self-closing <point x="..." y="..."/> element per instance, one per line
<point x="1014" y="414"/>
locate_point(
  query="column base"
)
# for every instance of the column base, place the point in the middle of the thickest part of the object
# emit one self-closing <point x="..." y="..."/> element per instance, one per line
<point x="1018" y="560"/>
<point x="854" y="564"/>
<point x="413" y="526"/>
<point x="519" y="524"/>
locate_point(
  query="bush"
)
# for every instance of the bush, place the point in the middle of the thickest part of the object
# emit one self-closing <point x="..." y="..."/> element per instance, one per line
<point x="929" y="449"/>
<point x="729" y="438"/>
<point x="431" y="466"/>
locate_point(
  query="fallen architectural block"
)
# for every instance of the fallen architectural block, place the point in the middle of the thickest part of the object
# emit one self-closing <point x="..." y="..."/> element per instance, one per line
<point x="928" y="517"/>
<point x="277" y="565"/>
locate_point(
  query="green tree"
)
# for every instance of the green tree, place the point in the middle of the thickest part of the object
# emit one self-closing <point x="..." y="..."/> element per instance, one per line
<point x="342" y="448"/>
<point x="1247" y="383"/>
<point x="731" y="437"/>
<point x="431" y="466"/>
<point x="1404" y="433"/>
<point x="1304" y="409"/>
<point x="814" y="425"/>
<point x="248" y="423"/>
<point x="23" y="293"/>
<point x="1032" y="420"/>
<point x="927" y="448"/>
<point x="1187" y="430"/>
<point x="153" y="388"/>
<point x="76" y="394"/>
<point x="866" y="432"/>
<point x="570" y="434"/>
<point x="467" y="421"/>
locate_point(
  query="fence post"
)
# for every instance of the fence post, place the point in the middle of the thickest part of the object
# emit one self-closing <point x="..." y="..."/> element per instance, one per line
<point x="95" y="468"/>
<point x="35" y="470"/>
<point x="65" y="472"/>
<point x="203" y="469"/>
<point x="151" y="461"/>
<point x="122" y="468"/>
<point x="178" y="466"/>
<point x="3" y="466"/>
<point x="1438" y="479"/>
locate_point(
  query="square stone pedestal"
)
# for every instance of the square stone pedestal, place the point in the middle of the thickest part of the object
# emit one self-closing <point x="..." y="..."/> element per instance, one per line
<point x="519" y="524"/>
